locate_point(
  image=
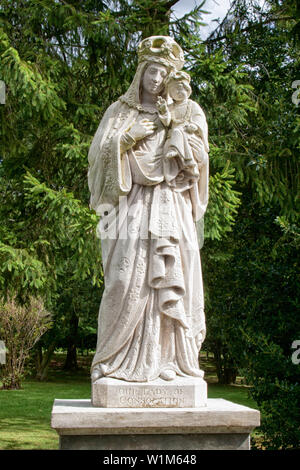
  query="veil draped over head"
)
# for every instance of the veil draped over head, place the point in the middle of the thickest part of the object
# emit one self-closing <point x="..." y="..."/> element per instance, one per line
<point x="159" y="49"/>
<point x="132" y="97"/>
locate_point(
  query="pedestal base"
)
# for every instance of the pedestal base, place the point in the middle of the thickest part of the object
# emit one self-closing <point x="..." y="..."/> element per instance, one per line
<point x="181" y="392"/>
<point x="220" y="425"/>
<point x="157" y="442"/>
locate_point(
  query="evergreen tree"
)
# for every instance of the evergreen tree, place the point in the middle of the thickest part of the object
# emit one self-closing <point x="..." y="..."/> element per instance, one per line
<point x="250" y="275"/>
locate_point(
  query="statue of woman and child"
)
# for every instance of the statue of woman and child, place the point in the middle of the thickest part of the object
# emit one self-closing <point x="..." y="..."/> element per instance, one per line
<point x="148" y="179"/>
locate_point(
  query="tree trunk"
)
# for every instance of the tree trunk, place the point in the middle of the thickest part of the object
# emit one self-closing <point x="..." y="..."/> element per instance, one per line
<point x="160" y="12"/>
<point x="71" y="359"/>
<point x="230" y="374"/>
<point x="226" y="372"/>
<point x="43" y="362"/>
<point x="38" y="357"/>
<point x="217" y="362"/>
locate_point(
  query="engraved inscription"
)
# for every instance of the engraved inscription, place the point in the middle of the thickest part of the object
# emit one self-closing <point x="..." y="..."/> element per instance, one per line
<point x="148" y="397"/>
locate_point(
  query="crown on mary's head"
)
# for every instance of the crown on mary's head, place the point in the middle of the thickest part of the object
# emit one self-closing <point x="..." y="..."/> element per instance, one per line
<point x="161" y="49"/>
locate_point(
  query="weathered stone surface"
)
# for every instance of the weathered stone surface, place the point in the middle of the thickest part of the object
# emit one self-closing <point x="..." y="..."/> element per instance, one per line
<point x="157" y="442"/>
<point x="79" y="417"/>
<point x="148" y="177"/>
<point x="182" y="392"/>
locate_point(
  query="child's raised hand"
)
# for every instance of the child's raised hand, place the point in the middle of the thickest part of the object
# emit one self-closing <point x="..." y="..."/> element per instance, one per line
<point x="161" y="105"/>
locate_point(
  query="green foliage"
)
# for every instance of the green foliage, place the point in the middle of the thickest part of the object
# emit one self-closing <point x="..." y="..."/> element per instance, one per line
<point x="223" y="204"/>
<point x="268" y="331"/>
<point x="251" y="316"/>
<point x="69" y="228"/>
<point x="250" y="275"/>
<point x="21" y="267"/>
<point x="260" y="41"/>
<point x="276" y="390"/>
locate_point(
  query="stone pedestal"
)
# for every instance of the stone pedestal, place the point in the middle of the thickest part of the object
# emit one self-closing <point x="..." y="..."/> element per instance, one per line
<point x="219" y="425"/>
<point x="190" y="392"/>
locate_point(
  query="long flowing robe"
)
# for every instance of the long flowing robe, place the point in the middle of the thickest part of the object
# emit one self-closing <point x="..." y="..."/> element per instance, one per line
<point x="151" y="316"/>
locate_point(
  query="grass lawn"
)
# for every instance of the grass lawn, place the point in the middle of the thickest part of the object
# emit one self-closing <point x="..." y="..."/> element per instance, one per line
<point x="25" y="414"/>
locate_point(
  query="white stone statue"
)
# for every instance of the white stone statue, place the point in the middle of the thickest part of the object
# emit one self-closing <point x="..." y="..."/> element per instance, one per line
<point x="148" y="179"/>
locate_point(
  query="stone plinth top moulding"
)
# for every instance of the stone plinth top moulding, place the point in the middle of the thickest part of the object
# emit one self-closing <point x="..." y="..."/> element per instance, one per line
<point x="219" y="425"/>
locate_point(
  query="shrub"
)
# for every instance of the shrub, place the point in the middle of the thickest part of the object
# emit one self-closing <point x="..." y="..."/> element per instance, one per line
<point x="21" y="326"/>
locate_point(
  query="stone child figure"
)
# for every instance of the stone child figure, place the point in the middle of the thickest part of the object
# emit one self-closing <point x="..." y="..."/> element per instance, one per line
<point x="183" y="117"/>
<point x="151" y="321"/>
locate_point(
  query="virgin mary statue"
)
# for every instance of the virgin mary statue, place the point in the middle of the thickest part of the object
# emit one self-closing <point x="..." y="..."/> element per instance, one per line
<point x="151" y="320"/>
